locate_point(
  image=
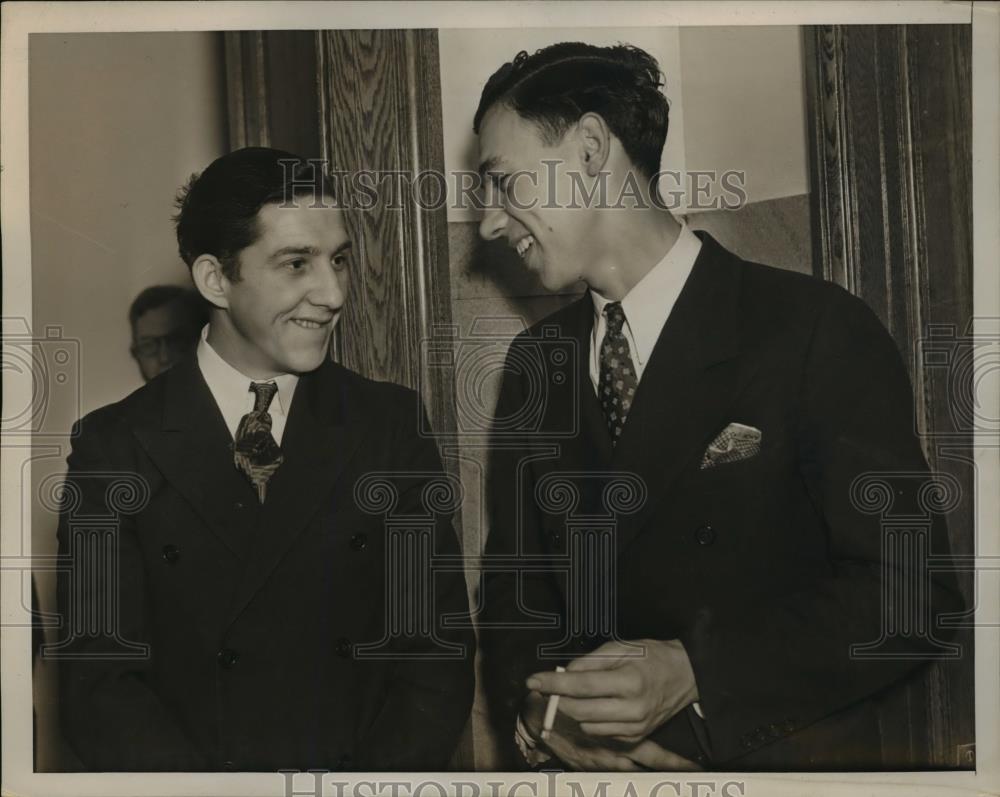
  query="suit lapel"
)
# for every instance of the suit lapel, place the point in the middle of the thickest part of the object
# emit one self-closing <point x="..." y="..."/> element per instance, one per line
<point x="689" y="383"/>
<point x="573" y="401"/>
<point x="192" y="448"/>
<point x="326" y="424"/>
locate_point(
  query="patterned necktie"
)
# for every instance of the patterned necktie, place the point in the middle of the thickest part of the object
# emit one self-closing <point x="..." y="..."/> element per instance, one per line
<point x="618" y="380"/>
<point x="255" y="452"/>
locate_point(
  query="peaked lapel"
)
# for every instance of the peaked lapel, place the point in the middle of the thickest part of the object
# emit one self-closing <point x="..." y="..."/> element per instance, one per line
<point x="689" y="384"/>
<point x="326" y="423"/>
<point x="190" y="444"/>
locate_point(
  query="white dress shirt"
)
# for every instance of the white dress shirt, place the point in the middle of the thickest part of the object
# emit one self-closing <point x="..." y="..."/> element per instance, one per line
<point x="648" y="305"/>
<point x="232" y="394"/>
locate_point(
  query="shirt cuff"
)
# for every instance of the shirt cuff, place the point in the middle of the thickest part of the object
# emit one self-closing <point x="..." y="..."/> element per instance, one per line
<point x="527" y="745"/>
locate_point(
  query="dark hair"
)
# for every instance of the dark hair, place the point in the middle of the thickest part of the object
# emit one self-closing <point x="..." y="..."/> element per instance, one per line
<point x="189" y="302"/>
<point x="217" y="210"/>
<point x="560" y="83"/>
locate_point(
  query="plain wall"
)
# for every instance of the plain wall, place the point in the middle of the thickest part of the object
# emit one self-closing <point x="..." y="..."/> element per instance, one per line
<point x="118" y="122"/>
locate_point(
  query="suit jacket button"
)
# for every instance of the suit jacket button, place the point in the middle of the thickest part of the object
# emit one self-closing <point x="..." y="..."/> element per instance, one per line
<point x="344" y="648"/>
<point x="229" y="766"/>
<point x="705" y="535"/>
<point x="359" y="542"/>
<point x="171" y="553"/>
<point x="238" y="506"/>
<point x="555" y="538"/>
<point x="228" y="658"/>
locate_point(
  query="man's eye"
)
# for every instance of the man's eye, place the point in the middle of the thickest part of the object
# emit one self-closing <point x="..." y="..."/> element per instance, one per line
<point x="341" y="262"/>
<point x="296" y="265"/>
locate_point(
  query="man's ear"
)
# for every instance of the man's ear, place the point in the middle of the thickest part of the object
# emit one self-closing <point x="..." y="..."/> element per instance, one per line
<point x="210" y="280"/>
<point x="595" y="141"/>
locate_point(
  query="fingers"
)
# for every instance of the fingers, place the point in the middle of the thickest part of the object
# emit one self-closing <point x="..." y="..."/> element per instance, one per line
<point x="601" y="709"/>
<point x="590" y="758"/>
<point x="628" y="732"/>
<point x="586" y="684"/>
<point x="651" y="756"/>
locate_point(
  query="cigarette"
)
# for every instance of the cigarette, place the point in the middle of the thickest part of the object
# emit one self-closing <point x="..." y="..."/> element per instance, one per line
<point x="550" y="711"/>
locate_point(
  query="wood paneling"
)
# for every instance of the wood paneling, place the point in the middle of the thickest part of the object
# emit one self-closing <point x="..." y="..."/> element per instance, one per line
<point x="381" y="113"/>
<point x="272" y="90"/>
<point x="890" y="129"/>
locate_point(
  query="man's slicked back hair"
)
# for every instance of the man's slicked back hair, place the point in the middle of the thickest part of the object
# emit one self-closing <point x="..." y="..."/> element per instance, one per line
<point x="560" y="83"/>
<point x="217" y="209"/>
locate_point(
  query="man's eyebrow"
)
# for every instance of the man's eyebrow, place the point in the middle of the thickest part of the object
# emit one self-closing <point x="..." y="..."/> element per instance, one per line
<point x="491" y="164"/>
<point x="344" y="247"/>
<point x="312" y="251"/>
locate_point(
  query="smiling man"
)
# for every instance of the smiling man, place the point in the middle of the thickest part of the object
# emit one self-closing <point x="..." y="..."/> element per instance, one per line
<point x="736" y="617"/>
<point x="245" y="584"/>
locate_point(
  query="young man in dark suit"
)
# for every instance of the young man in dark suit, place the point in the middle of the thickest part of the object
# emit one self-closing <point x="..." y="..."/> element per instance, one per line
<point x="253" y="625"/>
<point x="721" y="419"/>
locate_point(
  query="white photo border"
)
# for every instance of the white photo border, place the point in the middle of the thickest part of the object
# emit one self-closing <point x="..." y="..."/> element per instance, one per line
<point x="21" y="18"/>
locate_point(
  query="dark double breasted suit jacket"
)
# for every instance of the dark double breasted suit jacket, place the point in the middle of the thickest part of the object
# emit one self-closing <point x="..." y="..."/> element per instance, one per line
<point x="767" y="569"/>
<point x="254" y="615"/>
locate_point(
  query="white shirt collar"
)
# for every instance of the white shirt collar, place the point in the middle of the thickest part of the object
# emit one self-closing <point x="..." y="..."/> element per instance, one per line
<point x="231" y="389"/>
<point x="651" y="300"/>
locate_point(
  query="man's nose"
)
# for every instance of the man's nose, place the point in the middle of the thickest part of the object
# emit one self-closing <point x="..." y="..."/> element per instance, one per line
<point x="328" y="291"/>
<point x="493" y="224"/>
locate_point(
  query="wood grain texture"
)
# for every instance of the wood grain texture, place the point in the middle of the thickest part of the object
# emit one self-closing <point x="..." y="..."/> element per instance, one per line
<point x="246" y="89"/>
<point x="890" y="161"/>
<point x="380" y="109"/>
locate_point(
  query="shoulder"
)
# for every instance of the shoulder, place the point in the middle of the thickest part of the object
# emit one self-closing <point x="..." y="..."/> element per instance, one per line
<point x="795" y="302"/>
<point x="362" y="392"/>
<point x="115" y="418"/>
<point x="564" y="328"/>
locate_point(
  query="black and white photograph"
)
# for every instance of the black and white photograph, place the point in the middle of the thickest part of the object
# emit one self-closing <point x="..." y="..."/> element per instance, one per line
<point x="485" y="398"/>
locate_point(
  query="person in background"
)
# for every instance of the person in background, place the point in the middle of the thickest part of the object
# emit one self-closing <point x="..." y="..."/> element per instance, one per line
<point x="166" y="321"/>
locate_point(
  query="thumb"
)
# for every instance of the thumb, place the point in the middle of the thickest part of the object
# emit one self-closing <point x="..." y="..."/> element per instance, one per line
<point x="606" y="657"/>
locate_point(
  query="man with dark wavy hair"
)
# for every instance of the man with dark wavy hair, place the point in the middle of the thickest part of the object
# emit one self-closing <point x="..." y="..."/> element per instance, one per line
<point x="252" y="624"/>
<point x="740" y="403"/>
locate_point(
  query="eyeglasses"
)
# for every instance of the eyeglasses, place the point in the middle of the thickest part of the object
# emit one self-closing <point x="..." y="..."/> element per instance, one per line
<point x="172" y="342"/>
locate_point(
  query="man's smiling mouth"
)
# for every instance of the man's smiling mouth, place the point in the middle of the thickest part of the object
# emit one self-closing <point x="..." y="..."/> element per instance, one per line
<point x="524" y="245"/>
<point x="308" y="323"/>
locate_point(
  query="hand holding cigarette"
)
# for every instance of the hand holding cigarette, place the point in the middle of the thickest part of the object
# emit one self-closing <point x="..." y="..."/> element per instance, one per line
<point x="550" y="711"/>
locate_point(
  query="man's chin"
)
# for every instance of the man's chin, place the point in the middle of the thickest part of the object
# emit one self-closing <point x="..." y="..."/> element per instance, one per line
<point x="304" y="363"/>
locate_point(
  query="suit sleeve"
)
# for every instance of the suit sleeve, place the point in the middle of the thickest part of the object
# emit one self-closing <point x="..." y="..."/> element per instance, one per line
<point x="110" y="716"/>
<point x="431" y="688"/>
<point x="786" y="663"/>
<point x="516" y="603"/>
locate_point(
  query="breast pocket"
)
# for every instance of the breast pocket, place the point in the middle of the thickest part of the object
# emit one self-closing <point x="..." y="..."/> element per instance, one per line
<point x="750" y="475"/>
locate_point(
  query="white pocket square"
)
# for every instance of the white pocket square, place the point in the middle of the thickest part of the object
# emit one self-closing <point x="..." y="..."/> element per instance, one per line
<point x="734" y="443"/>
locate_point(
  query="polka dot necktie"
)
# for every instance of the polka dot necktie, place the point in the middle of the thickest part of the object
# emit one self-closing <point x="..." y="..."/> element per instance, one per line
<point x="255" y="451"/>
<point x="618" y="380"/>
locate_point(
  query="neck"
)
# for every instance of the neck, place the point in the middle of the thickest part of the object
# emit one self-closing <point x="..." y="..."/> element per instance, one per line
<point x="229" y="345"/>
<point x="636" y="240"/>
